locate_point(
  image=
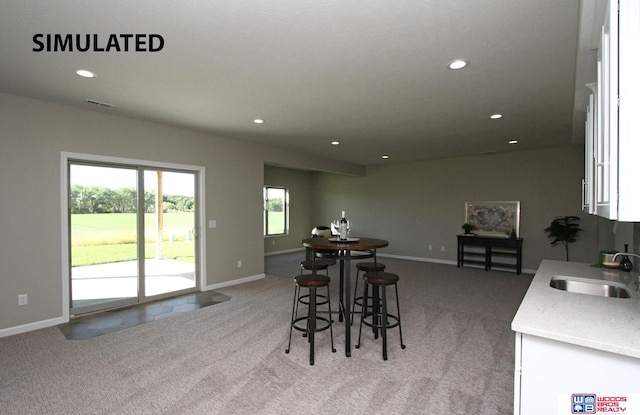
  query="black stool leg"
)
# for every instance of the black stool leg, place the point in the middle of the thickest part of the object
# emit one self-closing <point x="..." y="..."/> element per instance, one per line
<point x="376" y="309"/>
<point x="341" y="311"/>
<point x="384" y="322"/>
<point x="365" y="304"/>
<point x="333" y="350"/>
<point x="312" y="322"/>
<point x="294" y="310"/>
<point x="355" y="293"/>
<point x="399" y="323"/>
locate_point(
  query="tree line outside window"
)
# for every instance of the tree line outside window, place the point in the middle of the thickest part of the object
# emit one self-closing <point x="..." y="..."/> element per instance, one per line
<point x="93" y="199"/>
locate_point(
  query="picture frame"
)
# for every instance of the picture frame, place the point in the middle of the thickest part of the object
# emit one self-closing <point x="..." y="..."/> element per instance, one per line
<point x="494" y="219"/>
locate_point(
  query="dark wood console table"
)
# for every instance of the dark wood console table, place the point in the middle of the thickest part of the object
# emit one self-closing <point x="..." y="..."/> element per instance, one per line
<point x="493" y="247"/>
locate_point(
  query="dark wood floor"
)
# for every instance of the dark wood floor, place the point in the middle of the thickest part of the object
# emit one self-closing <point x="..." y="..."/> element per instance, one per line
<point x="119" y="319"/>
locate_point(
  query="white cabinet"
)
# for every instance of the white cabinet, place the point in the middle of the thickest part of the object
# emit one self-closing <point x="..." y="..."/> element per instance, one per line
<point x="548" y="372"/>
<point x="612" y="142"/>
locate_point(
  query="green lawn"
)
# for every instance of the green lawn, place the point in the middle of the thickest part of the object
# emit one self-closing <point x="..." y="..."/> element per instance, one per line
<point x="110" y="237"/>
<point x="276" y="223"/>
<point x="105" y="254"/>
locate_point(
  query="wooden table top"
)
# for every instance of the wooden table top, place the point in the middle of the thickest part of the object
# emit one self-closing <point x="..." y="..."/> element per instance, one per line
<point x="361" y="244"/>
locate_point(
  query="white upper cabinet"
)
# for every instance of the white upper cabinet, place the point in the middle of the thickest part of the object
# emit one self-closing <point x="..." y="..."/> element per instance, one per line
<point x="612" y="137"/>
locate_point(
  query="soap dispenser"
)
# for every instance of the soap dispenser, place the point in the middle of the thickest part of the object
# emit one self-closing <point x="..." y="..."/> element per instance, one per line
<point x="625" y="264"/>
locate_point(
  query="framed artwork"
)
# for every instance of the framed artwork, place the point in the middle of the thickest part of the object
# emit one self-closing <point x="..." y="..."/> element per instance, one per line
<point x="495" y="219"/>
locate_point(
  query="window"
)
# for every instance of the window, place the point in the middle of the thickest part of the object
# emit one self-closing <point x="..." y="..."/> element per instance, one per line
<point x="276" y="209"/>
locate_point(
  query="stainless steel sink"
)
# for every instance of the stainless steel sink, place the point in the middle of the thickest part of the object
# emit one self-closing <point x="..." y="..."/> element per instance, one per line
<point x="598" y="288"/>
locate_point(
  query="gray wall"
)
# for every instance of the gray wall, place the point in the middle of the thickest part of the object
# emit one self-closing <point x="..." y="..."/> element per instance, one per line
<point x="412" y="205"/>
<point x="301" y="204"/>
<point x="415" y="205"/>
<point x="32" y="137"/>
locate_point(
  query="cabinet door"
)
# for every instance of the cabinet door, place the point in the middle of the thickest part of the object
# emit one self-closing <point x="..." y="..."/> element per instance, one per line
<point x="551" y="371"/>
<point x="629" y="111"/>
<point x="606" y="150"/>
<point x="615" y="123"/>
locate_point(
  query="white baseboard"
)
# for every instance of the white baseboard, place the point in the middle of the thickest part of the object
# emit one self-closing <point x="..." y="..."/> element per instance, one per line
<point x="286" y="251"/>
<point x="32" y="326"/>
<point x="420" y="259"/>
<point x="234" y="282"/>
<point x="448" y="262"/>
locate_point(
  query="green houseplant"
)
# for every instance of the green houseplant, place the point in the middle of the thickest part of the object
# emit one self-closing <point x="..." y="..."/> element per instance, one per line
<point x="467" y="227"/>
<point x="564" y="229"/>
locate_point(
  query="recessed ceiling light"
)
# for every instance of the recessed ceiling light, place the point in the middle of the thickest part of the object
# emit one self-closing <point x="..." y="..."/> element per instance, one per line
<point x="335" y="143"/>
<point x="85" y="73"/>
<point x="457" y="64"/>
<point x="513" y="141"/>
<point x="386" y="156"/>
<point x="258" y="121"/>
<point x="496" y="116"/>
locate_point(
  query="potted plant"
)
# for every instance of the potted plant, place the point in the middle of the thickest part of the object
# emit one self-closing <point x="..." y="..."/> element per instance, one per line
<point x="564" y="229"/>
<point x="467" y="227"/>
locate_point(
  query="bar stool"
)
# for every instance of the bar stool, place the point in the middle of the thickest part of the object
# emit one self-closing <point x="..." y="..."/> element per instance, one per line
<point x="364" y="267"/>
<point x="313" y="266"/>
<point x="377" y="317"/>
<point x="311" y="326"/>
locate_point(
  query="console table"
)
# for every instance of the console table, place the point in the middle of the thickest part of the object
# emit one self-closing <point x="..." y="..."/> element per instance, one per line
<point x="493" y="247"/>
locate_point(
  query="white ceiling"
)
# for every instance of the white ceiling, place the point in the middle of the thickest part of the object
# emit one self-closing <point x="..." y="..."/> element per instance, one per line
<point x="371" y="74"/>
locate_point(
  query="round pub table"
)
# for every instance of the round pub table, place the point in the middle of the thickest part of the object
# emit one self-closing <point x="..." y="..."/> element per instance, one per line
<point x="343" y="250"/>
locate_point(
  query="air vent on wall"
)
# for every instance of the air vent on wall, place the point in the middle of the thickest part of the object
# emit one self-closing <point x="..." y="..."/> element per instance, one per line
<point x="102" y="104"/>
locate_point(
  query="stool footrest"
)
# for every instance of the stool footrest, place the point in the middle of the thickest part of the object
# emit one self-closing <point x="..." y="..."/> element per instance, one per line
<point x="305" y="329"/>
<point x="320" y="299"/>
<point x="379" y="325"/>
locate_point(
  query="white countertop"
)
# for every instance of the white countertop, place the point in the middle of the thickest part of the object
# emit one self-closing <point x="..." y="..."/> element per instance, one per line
<point x="609" y="324"/>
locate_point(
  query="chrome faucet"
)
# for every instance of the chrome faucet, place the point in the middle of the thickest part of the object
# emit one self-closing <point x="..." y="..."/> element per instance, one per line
<point x="624" y="253"/>
<point x="633" y="255"/>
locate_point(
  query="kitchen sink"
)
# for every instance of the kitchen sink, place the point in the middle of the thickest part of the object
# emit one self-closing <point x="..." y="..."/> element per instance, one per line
<point x="594" y="287"/>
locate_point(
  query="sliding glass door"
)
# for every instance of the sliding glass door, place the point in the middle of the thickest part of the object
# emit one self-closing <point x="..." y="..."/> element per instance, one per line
<point x="169" y="224"/>
<point x="131" y="234"/>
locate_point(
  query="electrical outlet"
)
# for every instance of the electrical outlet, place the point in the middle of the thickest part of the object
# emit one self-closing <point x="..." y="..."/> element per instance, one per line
<point x="442" y="248"/>
<point x="239" y="264"/>
<point x="23" y="299"/>
<point x="430" y="247"/>
<point x="212" y="224"/>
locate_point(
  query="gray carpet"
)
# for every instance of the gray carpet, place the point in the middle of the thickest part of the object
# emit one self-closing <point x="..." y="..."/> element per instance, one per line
<point x="229" y="359"/>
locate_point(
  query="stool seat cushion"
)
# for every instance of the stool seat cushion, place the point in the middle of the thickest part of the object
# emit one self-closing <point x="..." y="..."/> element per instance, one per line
<point x="381" y="278"/>
<point x="312" y="280"/>
<point x="370" y="266"/>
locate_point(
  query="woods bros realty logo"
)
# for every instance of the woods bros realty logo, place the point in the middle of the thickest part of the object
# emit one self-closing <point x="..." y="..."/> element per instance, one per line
<point x="125" y="42"/>
<point x="590" y="403"/>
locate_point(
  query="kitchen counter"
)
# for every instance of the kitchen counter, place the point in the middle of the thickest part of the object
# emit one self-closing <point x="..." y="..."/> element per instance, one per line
<point x="602" y="323"/>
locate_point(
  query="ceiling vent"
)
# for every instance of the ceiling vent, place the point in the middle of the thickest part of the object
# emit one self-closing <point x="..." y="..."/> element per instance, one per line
<point x="102" y="104"/>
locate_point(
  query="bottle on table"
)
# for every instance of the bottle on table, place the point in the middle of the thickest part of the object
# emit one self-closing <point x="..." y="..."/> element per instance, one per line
<point x="343" y="228"/>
